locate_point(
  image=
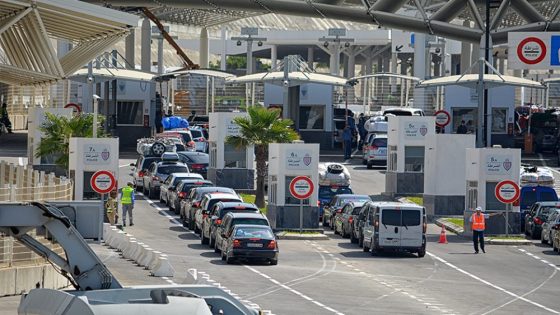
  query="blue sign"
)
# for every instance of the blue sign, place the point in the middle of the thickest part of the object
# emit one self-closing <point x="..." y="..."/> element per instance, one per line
<point x="555" y="50"/>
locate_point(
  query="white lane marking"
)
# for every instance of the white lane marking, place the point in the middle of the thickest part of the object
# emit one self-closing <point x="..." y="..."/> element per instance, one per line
<point x="296" y="292"/>
<point x="492" y="285"/>
<point x="539" y="259"/>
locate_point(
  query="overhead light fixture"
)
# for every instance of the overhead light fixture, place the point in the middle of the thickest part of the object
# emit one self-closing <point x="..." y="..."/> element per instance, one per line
<point x="326" y="44"/>
<point x="238" y="43"/>
<point x="259" y="43"/>
<point x="347" y="44"/>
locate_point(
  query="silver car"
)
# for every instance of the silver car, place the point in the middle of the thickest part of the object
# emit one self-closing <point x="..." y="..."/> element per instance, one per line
<point x="200" y="141"/>
<point x="157" y="173"/>
<point x="170" y="183"/>
<point x="139" y="169"/>
<point x="547" y="231"/>
<point x="375" y="151"/>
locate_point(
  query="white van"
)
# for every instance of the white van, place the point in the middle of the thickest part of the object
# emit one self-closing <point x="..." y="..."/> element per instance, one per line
<point x="403" y="111"/>
<point x="395" y="226"/>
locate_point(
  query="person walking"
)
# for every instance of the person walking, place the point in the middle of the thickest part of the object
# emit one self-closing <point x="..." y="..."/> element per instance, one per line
<point x="127" y="202"/>
<point x="5" y="118"/>
<point x="462" y="129"/>
<point x="478" y="224"/>
<point x="347" y="142"/>
<point x="112" y="206"/>
<point x="362" y="130"/>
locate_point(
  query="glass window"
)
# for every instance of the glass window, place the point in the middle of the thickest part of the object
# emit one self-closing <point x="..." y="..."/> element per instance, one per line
<point x="130" y="113"/>
<point x="356" y="210"/>
<point x="172" y="169"/>
<point x="548" y="196"/>
<point x="414" y="158"/>
<point x="391" y="217"/>
<point x="253" y="221"/>
<point x="196" y="133"/>
<point x="253" y="232"/>
<point x="234" y="157"/>
<point x="312" y="117"/>
<point x="546" y="211"/>
<point x="379" y="142"/>
<point x="348" y="199"/>
<point x="288" y="198"/>
<point x="469" y="115"/>
<point x="499" y="119"/>
<point x="410" y="218"/>
<point x="492" y="203"/>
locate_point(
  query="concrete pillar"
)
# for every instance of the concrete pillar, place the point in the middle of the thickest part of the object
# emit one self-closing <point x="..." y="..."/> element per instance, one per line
<point x="466" y="50"/>
<point x="420" y="52"/>
<point x="474" y="57"/>
<point x="274" y="56"/>
<point x="334" y="61"/>
<point x="369" y="65"/>
<point x="345" y="65"/>
<point x="501" y="65"/>
<point x="351" y="65"/>
<point x="204" y="49"/>
<point x="129" y="48"/>
<point x="310" y="57"/>
<point x="145" y="46"/>
<point x="160" y="55"/>
<point x="223" y="59"/>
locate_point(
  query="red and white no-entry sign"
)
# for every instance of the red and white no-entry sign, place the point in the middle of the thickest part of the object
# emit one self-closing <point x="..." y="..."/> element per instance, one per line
<point x="103" y="182"/>
<point x="301" y="187"/>
<point x="442" y="118"/>
<point x="507" y="191"/>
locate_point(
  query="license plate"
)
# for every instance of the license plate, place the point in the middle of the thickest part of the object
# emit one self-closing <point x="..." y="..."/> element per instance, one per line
<point x="254" y="245"/>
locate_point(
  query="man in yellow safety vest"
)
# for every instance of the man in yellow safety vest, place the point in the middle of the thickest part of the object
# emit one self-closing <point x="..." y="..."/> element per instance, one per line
<point x="127" y="202"/>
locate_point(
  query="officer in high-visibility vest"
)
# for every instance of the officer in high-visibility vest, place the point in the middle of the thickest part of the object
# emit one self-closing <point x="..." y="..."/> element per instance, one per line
<point x="127" y="202"/>
<point x="112" y="206"/>
<point x="478" y="224"/>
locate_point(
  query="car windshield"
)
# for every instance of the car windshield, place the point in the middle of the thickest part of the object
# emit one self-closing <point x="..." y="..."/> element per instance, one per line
<point x="344" y="200"/>
<point x="253" y="232"/>
<point x="326" y="192"/>
<point x="547" y="210"/>
<point x="170" y="169"/>
<point x="148" y="161"/>
<point x="189" y="186"/>
<point x="379" y="142"/>
<point x="199" y="158"/>
<point x="252" y="221"/>
<point x="196" y="134"/>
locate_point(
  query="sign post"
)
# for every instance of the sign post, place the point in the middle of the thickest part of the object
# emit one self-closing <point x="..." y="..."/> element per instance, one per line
<point x="507" y="191"/>
<point x="301" y="187"/>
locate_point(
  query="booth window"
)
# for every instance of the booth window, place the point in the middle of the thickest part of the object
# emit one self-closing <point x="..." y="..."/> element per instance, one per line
<point x="499" y="120"/>
<point x="311" y="117"/>
<point x="392" y="162"/>
<point x="492" y="203"/>
<point x="414" y="159"/>
<point x="234" y="157"/>
<point x="472" y="193"/>
<point x="289" y="199"/>
<point x="130" y="113"/>
<point x="469" y="115"/>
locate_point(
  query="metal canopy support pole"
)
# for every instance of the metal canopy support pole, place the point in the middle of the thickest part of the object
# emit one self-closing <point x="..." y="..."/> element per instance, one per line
<point x="213" y="94"/>
<point x="249" y="56"/>
<point x="207" y="93"/>
<point x="223" y="59"/>
<point x="160" y="57"/>
<point x="487" y="43"/>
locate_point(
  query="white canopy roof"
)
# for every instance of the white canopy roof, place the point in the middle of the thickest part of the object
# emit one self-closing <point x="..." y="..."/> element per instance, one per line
<point x="489" y="80"/>
<point x="105" y="74"/>
<point x="294" y="78"/>
<point x="204" y="72"/>
<point x="386" y="75"/>
<point x="27" y="30"/>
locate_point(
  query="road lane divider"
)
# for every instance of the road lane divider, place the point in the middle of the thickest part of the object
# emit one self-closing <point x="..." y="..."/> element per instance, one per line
<point x="494" y="286"/>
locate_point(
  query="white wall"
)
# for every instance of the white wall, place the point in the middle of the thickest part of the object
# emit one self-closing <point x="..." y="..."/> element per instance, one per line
<point x="444" y="171"/>
<point x="221" y="125"/>
<point x="409" y="131"/>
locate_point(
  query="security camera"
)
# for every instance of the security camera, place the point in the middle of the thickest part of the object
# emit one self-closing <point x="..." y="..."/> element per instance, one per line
<point x="238" y="43"/>
<point x="438" y="50"/>
<point x="96" y="97"/>
<point x="326" y="44"/>
<point x="89" y="79"/>
<point x="347" y="44"/>
<point x="286" y="82"/>
<point x="259" y="43"/>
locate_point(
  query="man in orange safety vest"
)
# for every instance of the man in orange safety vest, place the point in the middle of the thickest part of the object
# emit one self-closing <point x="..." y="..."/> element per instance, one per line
<point x="478" y="224"/>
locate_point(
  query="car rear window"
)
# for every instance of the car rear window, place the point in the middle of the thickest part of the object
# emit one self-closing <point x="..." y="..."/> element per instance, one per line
<point x="391" y="217"/>
<point x="199" y="158"/>
<point x="548" y="196"/>
<point x="253" y="221"/>
<point x="546" y="210"/>
<point x="397" y="113"/>
<point x="344" y="200"/>
<point x="170" y="169"/>
<point x="177" y="180"/>
<point x="356" y="210"/>
<point x="380" y="142"/>
<point x="528" y="198"/>
<point x="410" y="218"/>
<point x="201" y="193"/>
<point x="394" y="217"/>
<point x="189" y="186"/>
<point x="196" y="134"/>
<point x="253" y="232"/>
<point x="212" y="202"/>
<point x="186" y="137"/>
<point x="326" y="192"/>
<point x="148" y="161"/>
<point x="226" y="210"/>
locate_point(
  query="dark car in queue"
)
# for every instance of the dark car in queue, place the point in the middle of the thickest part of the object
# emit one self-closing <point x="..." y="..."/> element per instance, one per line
<point x="190" y="204"/>
<point x="197" y="161"/>
<point x="217" y="213"/>
<point x="357" y="234"/>
<point x="170" y="183"/>
<point x="139" y="169"/>
<point x="537" y="216"/>
<point x="326" y="193"/>
<point x="157" y="173"/>
<point x="334" y="207"/>
<point x="250" y="242"/>
<point x="548" y="226"/>
<point x="206" y="204"/>
<point x="344" y="223"/>
<point x="183" y="188"/>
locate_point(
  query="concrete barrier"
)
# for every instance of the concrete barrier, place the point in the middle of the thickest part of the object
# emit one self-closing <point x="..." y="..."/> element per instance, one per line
<point x="137" y="252"/>
<point x="129" y="249"/>
<point x="163" y="268"/>
<point x="109" y="235"/>
<point x="120" y="240"/>
<point x="154" y="260"/>
<point x="106" y="227"/>
<point x="143" y="255"/>
<point x="27" y="278"/>
<point x="7" y="281"/>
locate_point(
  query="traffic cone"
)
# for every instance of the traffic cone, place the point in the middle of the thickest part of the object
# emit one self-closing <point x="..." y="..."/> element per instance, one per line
<point x="442" y="236"/>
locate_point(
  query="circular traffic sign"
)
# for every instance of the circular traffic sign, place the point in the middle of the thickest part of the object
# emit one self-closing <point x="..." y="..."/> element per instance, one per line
<point x="507" y="191"/>
<point x="442" y="118"/>
<point x="531" y="50"/>
<point x="75" y="106"/>
<point x="103" y="182"/>
<point x="301" y="187"/>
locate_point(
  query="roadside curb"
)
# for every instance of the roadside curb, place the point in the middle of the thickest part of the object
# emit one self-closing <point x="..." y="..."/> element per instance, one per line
<point x="488" y="240"/>
<point x="507" y="242"/>
<point x="450" y="226"/>
<point x="307" y="237"/>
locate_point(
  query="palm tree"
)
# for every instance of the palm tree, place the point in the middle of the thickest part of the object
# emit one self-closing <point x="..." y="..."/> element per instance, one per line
<point x="260" y="128"/>
<point x="57" y="131"/>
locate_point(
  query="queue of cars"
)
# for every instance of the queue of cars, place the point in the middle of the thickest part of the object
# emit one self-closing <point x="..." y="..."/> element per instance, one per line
<point x="543" y="222"/>
<point x="234" y="228"/>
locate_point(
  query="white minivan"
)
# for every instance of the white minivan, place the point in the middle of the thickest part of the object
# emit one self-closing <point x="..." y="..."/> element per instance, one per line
<point x="395" y="226"/>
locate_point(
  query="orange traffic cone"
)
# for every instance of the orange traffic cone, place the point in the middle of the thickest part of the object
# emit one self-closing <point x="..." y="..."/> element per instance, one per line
<point x="442" y="236"/>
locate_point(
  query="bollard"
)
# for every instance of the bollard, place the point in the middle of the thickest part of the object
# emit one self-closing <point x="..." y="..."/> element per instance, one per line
<point x="143" y="253"/>
<point x="137" y="252"/>
<point x="154" y="259"/>
<point x="163" y="268"/>
<point x="148" y="257"/>
<point x="127" y="252"/>
<point x="106" y="227"/>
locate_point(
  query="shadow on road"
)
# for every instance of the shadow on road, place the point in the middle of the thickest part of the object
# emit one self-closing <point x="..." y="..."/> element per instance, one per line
<point x="188" y="236"/>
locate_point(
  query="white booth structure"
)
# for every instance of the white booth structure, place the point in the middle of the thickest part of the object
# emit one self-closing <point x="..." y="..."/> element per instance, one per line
<point x="229" y="166"/>
<point x="485" y="168"/>
<point x="444" y="173"/>
<point x="87" y="156"/>
<point x="286" y="161"/>
<point x="37" y="117"/>
<point x="407" y="139"/>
